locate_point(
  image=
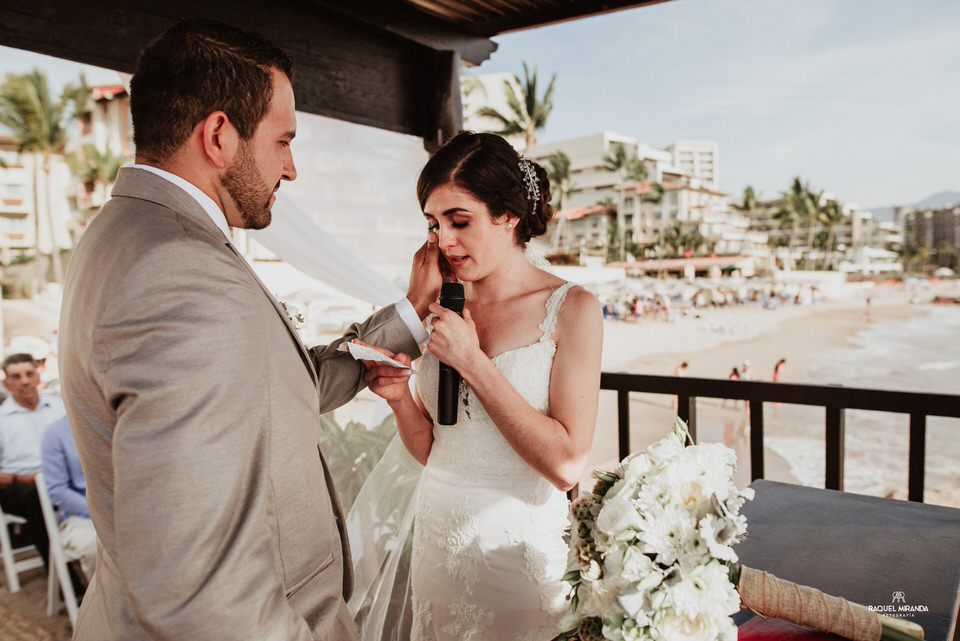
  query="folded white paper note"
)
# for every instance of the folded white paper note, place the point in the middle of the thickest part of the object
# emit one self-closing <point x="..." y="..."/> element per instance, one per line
<point x="364" y="353"/>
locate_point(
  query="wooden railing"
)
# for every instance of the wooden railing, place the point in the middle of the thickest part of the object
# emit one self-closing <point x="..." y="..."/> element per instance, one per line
<point x="835" y="399"/>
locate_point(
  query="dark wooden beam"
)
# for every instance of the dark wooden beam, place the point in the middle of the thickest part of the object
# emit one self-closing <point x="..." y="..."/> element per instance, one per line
<point x="918" y="456"/>
<point x="830" y="395"/>
<point x="623" y="423"/>
<point x="687" y="412"/>
<point x="834" y="450"/>
<point x="756" y="440"/>
<point x="404" y="20"/>
<point x="547" y="13"/>
<point x="346" y="69"/>
<point x="448" y="118"/>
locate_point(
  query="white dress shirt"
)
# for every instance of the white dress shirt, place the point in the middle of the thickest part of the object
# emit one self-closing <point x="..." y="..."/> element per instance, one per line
<point x="404" y="307"/>
<point x="21" y="433"/>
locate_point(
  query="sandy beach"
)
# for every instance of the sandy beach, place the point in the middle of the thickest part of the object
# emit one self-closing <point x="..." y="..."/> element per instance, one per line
<point x="722" y="339"/>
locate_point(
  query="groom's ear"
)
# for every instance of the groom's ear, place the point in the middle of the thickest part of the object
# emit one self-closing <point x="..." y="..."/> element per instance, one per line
<point x="219" y="139"/>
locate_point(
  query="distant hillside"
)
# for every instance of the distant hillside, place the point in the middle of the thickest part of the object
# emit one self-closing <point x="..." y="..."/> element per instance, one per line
<point x="939" y="199"/>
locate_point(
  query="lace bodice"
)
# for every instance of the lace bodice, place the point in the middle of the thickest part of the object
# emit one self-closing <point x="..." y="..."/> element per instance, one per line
<point x="473" y="450"/>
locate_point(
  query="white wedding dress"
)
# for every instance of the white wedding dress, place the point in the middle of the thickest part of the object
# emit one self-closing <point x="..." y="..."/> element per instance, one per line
<point x="488" y="549"/>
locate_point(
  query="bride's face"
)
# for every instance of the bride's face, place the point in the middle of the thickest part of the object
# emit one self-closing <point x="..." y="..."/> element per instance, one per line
<point x="473" y="243"/>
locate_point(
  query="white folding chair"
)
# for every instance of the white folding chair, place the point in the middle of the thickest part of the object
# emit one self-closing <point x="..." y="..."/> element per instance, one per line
<point x="11" y="566"/>
<point x="59" y="575"/>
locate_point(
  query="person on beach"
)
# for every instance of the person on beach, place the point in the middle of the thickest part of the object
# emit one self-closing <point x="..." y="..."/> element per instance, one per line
<point x="681" y="369"/>
<point x="778" y="369"/>
<point x="734" y="375"/>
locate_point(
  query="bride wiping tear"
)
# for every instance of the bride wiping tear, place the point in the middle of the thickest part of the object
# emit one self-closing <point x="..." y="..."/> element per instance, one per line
<point x="490" y="509"/>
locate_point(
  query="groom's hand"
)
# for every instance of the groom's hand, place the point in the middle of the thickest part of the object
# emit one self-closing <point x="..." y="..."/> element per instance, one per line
<point x="426" y="276"/>
<point x="386" y="381"/>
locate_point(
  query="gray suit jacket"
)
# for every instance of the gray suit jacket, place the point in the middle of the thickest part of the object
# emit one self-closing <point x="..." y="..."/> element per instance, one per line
<point x="196" y="412"/>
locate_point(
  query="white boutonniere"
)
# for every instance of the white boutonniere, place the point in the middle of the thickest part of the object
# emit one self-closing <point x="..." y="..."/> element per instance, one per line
<point x="293" y="313"/>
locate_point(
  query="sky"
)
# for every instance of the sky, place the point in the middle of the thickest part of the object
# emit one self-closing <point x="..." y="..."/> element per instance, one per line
<point x="859" y="97"/>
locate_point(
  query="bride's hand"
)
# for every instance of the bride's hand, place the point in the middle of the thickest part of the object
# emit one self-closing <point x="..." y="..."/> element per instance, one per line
<point x="388" y="382"/>
<point x="454" y="340"/>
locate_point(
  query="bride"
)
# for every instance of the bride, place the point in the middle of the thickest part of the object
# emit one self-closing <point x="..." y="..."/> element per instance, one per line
<point x="488" y="553"/>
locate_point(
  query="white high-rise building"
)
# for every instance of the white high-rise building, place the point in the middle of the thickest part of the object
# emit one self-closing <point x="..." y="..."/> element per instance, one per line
<point x="16" y="201"/>
<point x="699" y="158"/>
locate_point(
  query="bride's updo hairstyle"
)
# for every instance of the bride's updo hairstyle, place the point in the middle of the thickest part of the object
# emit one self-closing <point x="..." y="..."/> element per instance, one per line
<point x="489" y="168"/>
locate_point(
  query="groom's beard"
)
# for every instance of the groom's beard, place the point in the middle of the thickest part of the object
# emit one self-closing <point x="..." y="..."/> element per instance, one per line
<point x="244" y="184"/>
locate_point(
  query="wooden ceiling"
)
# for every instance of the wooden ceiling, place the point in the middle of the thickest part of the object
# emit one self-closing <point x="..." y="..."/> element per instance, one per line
<point x="492" y="17"/>
<point x="392" y="64"/>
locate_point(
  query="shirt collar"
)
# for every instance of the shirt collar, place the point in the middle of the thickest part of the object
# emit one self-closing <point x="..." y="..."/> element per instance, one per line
<point x="10" y="406"/>
<point x="205" y="201"/>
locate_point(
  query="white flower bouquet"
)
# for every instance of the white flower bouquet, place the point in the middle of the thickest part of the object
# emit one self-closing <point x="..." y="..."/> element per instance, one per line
<point x="652" y="557"/>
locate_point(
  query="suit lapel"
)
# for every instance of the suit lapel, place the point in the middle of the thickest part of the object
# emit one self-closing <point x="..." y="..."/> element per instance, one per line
<point x="144" y="185"/>
<point x="304" y="353"/>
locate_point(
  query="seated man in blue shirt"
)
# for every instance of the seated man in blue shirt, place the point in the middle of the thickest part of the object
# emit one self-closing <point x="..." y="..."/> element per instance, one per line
<point x="68" y="492"/>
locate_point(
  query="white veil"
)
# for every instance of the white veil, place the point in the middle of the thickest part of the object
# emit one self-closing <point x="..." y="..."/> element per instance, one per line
<point x="380" y="528"/>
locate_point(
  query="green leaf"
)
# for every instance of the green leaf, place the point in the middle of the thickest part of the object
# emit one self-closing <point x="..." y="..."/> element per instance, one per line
<point x="572" y="576"/>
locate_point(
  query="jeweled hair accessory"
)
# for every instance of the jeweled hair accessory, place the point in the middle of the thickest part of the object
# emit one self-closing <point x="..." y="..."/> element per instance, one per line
<point x="530" y="181"/>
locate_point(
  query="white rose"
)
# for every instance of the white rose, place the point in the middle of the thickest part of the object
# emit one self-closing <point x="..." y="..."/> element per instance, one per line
<point x="664" y="450"/>
<point x="616" y="515"/>
<point x="637" y="466"/>
<point x="673" y="627"/>
<point x="705" y="592"/>
<point x="636" y="565"/>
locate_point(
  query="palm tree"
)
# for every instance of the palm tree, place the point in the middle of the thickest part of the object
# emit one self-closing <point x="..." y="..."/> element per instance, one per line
<point x="692" y="240"/>
<point x="830" y="215"/>
<point x="672" y="238"/>
<point x="39" y="127"/>
<point x="798" y="206"/>
<point x="559" y="174"/>
<point x="528" y="111"/>
<point x="627" y="168"/>
<point x="95" y="168"/>
<point x="748" y="204"/>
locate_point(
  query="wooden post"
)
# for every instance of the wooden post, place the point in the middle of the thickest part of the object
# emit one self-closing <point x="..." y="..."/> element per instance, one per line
<point x="447" y="119"/>
<point x="687" y="411"/>
<point x="834" y="449"/>
<point x="756" y="440"/>
<point x="918" y="455"/>
<point x="623" y="422"/>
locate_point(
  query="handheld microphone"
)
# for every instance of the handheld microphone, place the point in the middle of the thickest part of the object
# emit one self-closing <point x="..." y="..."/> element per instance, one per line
<point x="451" y="297"/>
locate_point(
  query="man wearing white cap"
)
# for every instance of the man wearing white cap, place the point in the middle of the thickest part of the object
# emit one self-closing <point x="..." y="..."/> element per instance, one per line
<point x="23" y="418"/>
<point x="40" y="350"/>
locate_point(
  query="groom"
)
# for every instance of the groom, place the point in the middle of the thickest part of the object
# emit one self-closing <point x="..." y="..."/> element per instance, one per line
<point x="195" y="406"/>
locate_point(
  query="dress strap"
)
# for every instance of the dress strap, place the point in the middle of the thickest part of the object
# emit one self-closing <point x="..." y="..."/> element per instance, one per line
<point x="553" y="309"/>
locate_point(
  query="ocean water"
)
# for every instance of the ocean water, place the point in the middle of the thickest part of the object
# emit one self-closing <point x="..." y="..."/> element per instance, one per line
<point x="921" y="354"/>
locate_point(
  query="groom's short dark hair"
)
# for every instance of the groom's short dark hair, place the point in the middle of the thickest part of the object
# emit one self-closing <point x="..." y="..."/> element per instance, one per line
<point x="196" y="67"/>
